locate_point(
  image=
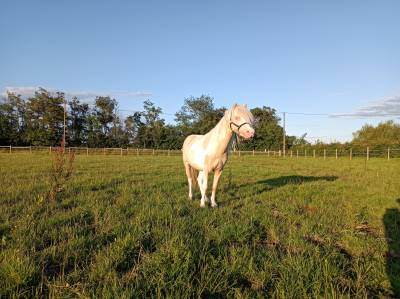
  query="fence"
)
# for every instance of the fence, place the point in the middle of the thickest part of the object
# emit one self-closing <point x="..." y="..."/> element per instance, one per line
<point x="367" y="154"/>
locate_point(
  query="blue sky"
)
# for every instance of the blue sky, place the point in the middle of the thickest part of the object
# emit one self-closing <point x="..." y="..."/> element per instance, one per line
<point x="333" y="57"/>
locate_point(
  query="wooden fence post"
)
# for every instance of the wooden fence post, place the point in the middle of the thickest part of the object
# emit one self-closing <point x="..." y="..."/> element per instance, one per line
<point x="388" y="154"/>
<point x="367" y="153"/>
<point x="10" y="149"/>
<point x="127" y="151"/>
<point x="50" y="149"/>
<point x="69" y="150"/>
<point x="336" y="155"/>
<point x="351" y="153"/>
<point x="297" y="153"/>
<point x="324" y="153"/>
<point x="314" y="153"/>
<point x="253" y="152"/>
<point x="291" y="153"/>
<point x="121" y="151"/>
<point x="137" y="152"/>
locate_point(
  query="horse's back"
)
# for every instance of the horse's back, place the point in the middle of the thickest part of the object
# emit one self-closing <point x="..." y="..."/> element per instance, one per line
<point x="190" y="140"/>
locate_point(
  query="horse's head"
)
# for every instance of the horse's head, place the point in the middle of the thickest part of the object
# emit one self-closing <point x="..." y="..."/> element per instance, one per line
<point x="241" y="121"/>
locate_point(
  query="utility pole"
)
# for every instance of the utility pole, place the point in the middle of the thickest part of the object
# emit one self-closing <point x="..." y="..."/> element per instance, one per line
<point x="284" y="134"/>
<point x="65" y="112"/>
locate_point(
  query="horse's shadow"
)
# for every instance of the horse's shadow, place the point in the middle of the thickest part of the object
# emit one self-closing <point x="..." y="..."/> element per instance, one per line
<point x="265" y="185"/>
<point x="391" y="221"/>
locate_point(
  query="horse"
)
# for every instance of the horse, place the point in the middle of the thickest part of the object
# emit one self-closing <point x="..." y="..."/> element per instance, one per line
<point x="203" y="154"/>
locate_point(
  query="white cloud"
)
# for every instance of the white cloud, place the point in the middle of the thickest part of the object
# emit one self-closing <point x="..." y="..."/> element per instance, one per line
<point x="388" y="107"/>
<point x="27" y="91"/>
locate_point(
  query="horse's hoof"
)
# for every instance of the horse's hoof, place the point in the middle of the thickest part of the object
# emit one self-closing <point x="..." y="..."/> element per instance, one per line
<point x="214" y="205"/>
<point x="202" y="205"/>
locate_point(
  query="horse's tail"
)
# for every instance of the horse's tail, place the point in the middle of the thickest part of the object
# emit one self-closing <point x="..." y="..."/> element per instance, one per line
<point x="193" y="176"/>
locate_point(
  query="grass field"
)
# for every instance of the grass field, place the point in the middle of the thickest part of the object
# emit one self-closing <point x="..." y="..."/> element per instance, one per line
<point x="123" y="227"/>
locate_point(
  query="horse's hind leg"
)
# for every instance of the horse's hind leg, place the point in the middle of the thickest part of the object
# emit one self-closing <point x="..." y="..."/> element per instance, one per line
<point x="189" y="177"/>
<point x="202" y="179"/>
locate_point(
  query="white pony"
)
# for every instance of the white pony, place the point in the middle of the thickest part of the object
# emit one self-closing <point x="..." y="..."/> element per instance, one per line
<point x="205" y="153"/>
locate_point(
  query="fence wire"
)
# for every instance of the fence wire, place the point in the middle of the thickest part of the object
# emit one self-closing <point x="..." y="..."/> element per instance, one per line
<point x="366" y="153"/>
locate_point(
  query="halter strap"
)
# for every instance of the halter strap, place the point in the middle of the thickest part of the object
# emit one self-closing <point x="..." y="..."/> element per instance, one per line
<point x="237" y="126"/>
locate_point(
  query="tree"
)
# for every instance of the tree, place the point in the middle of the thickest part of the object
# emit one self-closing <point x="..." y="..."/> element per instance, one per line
<point x="12" y="121"/>
<point x="151" y="134"/>
<point x="44" y="118"/>
<point x="107" y="126"/>
<point x="197" y="116"/>
<point x="77" y="122"/>
<point x="133" y="125"/>
<point x="384" y="133"/>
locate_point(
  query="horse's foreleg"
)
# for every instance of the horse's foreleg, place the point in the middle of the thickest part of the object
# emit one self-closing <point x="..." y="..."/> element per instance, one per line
<point x="217" y="175"/>
<point x="203" y="179"/>
<point x="189" y="177"/>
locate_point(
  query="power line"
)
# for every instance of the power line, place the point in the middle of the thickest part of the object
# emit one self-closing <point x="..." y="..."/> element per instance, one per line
<point x="354" y="116"/>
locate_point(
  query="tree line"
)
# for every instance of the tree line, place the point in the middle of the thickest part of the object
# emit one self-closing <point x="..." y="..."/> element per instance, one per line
<point x="39" y="120"/>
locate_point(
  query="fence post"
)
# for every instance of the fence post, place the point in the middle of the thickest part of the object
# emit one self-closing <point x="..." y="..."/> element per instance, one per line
<point x="10" y="149"/>
<point x="137" y="152"/>
<point x="367" y="153"/>
<point x="336" y="155"/>
<point x="297" y="153"/>
<point x="127" y="149"/>
<point x="50" y="149"/>
<point x="291" y="153"/>
<point x="253" y="152"/>
<point x="324" y="153"/>
<point x="388" y="155"/>
<point x="314" y="153"/>
<point x="30" y="149"/>
<point x="69" y="150"/>
<point x="351" y="153"/>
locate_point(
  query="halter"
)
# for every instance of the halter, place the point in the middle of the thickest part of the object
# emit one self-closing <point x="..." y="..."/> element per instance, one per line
<point x="237" y="126"/>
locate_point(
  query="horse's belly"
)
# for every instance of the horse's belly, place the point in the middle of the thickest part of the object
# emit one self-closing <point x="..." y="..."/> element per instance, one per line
<point x="196" y="157"/>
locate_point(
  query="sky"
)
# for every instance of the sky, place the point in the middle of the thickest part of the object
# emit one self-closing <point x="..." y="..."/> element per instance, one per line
<point x="339" y="58"/>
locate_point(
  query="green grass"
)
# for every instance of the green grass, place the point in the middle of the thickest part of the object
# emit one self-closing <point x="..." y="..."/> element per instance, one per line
<point x="123" y="227"/>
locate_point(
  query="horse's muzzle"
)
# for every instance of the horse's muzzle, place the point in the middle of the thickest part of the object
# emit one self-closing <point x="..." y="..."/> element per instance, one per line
<point x="248" y="133"/>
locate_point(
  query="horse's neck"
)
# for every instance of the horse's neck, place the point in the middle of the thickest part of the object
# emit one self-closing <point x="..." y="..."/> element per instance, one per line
<point x="221" y="134"/>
